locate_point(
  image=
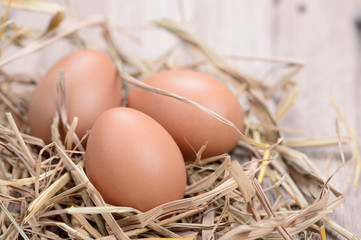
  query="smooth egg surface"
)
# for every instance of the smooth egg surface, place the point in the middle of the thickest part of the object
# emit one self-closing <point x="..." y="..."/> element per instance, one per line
<point x="92" y="87"/>
<point x="189" y="126"/>
<point x="133" y="161"/>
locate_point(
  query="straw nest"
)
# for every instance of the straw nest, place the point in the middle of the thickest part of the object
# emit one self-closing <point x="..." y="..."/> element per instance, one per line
<point x="263" y="189"/>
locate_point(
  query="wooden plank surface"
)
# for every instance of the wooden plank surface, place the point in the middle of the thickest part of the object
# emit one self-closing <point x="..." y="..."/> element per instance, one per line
<point x="325" y="37"/>
<point x="322" y="34"/>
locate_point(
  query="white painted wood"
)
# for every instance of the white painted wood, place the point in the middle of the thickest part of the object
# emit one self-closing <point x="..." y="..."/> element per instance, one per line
<point x="320" y="33"/>
<point x="325" y="37"/>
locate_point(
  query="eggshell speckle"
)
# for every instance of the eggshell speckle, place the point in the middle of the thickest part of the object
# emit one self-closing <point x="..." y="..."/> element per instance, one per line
<point x="188" y="125"/>
<point x="133" y="161"/>
<point x="92" y="87"/>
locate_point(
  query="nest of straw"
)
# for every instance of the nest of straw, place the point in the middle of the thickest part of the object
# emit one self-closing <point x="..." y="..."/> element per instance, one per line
<point x="263" y="189"/>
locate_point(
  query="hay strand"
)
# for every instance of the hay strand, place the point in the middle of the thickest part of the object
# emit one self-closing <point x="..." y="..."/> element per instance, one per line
<point x="15" y="224"/>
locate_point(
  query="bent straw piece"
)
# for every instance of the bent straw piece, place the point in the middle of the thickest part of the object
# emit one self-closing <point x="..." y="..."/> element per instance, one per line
<point x="314" y="142"/>
<point x="208" y="219"/>
<point x="283" y="82"/>
<point x="253" y="94"/>
<point x="4" y="25"/>
<point x="86" y="225"/>
<point x="285" y="105"/>
<point x="302" y="164"/>
<point x="185" y="34"/>
<point x="62" y="111"/>
<point x="9" y="2"/>
<point x="25" y="181"/>
<point x="25" y="149"/>
<point x="163" y="231"/>
<point x="356" y="151"/>
<point x="71" y="133"/>
<point x="36" y="6"/>
<point x="43" y="42"/>
<point x="27" y="138"/>
<point x="167" y="221"/>
<point x="271" y="127"/>
<point x="243" y="182"/>
<point x="267" y="206"/>
<point x="98" y="210"/>
<point x="133" y="81"/>
<point x="345" y="233"/>
<point x="289" y="61"/>
<point x="11" y="106"/>
<point x="208" y="180"/>
<point x="76" y="189"/>
<point x="71" y="231"/>
<point x="46" y="195"/>
<point x="15" y="224"/>
<point x="214" y="194"/>
<point x="129" y="79"/>
<point x="265" y="228"/>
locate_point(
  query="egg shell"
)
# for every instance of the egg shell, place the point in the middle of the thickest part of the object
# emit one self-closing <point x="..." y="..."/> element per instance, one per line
<point x="133" y="161"/>
<point x="188" y="125"/>
<point x="92" y="87"/>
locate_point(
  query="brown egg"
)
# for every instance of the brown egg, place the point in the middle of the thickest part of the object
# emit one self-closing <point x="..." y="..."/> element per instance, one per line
<point x="188" y="125"/>
<point x="133" y="161"/>
<point x="92" y="87"/>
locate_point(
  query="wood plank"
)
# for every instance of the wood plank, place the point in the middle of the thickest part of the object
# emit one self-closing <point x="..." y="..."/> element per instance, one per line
<point x="325" y="37"/>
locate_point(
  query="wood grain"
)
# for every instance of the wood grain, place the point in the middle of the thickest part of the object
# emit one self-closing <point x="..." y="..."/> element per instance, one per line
<point x="322" y="34"/>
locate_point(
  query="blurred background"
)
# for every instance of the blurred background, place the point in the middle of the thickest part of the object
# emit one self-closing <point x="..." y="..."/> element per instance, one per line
<point x="324" y="35"/>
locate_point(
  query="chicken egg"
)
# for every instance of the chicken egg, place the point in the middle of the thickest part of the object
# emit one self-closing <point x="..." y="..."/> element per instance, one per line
<point x="189" y="126"/>
<point x="133" y="161"/>
<point x="92" y="87"/>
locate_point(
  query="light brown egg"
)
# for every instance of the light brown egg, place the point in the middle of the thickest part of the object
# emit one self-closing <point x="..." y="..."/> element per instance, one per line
<point x="133" y="161"/>
<point x="189" y="126"/>
<point x="92" y="87"/>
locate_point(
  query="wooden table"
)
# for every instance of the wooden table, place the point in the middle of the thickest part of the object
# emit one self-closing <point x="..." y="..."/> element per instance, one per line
<point x="327" y="37"/>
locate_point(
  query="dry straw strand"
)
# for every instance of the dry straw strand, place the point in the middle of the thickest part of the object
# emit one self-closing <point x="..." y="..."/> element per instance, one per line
<point x="350" y="131"/>
<point x="15" y="224"/>
<point x="5" y="17"/>
<point x="339" y="229"/>
<point x="25" y="149"/>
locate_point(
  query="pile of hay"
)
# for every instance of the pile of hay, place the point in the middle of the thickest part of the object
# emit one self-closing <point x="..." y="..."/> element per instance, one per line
<point x="263" y="189"/>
